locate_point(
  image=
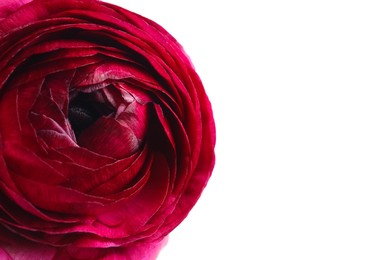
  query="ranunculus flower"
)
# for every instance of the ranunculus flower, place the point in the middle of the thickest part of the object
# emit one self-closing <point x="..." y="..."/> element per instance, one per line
<point x="107" y="135"/>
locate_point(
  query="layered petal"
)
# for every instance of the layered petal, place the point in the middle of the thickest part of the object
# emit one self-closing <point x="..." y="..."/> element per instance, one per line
<point x="106" y="133"/>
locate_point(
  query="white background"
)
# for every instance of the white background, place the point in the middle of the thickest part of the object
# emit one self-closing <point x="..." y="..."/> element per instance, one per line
<point x="300" y="91"/>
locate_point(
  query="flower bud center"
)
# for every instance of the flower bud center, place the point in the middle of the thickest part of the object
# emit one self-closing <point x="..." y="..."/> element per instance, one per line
<point x="85" y="109"/>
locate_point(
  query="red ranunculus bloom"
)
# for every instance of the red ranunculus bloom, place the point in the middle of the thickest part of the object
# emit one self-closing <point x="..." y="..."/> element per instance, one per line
<point x="107" y="135"/>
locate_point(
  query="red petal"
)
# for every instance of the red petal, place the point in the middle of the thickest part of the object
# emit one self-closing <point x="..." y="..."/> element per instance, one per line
<point x="7" y="7"/>
<point x="108" y="137"/>
<point x="103" y="180"/>
<point x="25" y="163"/>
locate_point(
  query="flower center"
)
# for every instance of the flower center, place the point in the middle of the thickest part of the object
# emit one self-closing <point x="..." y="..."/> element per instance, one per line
<point x="85" y="109"/>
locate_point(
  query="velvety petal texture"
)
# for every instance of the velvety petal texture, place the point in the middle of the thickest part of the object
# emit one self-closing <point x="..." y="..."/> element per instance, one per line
<point x="106" y="133"/>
